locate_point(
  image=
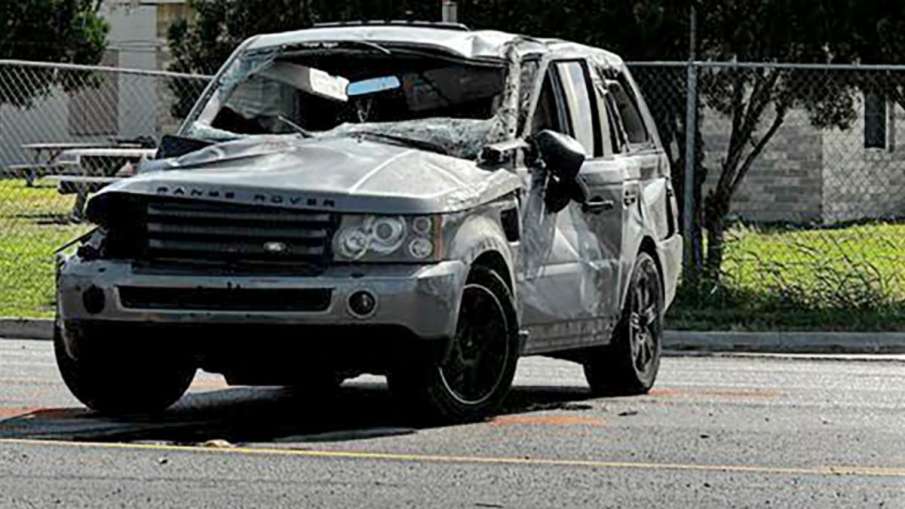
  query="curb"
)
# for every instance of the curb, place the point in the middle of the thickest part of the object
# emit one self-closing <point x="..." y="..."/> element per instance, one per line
<point x="787" y="342"/>
<point x="24" y="328"/>
<point x="675" y="341"/>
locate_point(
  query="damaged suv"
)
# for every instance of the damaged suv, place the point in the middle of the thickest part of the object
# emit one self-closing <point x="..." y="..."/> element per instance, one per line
<point x="421" y="201"/>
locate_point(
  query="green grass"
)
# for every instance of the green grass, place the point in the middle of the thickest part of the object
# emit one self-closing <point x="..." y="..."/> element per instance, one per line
<point x="34" y="222"/>
<point x="794" y="278"/>
<point x="786" y="278"/>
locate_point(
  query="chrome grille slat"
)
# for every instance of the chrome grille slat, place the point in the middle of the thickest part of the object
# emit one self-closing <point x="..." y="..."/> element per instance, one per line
<point x="230" y="214"/>
<point x="262" y="233"/>
<point x="230" y="248"/>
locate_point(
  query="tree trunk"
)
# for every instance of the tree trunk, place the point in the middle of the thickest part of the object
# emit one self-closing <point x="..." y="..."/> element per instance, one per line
<point x="700" y="177"/>
<point x="717" y="207"/>
<point x="746" y="117"/>
<point x="695" y="236"/>
<point x="671" y="123"/>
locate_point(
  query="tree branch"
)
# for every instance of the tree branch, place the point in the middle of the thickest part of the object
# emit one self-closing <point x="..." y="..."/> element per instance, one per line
<point x="897" y="96"/>
<point x="758" y="148"/>
<point x="758" y="101"/>
<point x="739" y="110"/>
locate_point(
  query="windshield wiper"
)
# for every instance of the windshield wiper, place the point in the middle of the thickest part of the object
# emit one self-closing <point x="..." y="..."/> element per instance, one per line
<point x="299" y="129"/>
<point x="402" y="140"/>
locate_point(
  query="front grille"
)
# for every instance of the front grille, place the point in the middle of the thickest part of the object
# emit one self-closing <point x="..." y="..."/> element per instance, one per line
<point x="225" y="299"/>
<point x="202" y="232"/>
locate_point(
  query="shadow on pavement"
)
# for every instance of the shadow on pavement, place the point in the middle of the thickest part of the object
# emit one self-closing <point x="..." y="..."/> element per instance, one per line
<point x="263" y="415"/>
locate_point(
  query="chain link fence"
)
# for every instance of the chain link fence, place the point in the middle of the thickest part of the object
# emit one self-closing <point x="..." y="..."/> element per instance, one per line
<point x="799" y="180"/>
<point x="60" y="120"/>
<point x="802" y="191"/>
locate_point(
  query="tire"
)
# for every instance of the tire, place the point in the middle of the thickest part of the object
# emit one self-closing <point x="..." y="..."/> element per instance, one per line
<point x="122" y="383"/>
<point x="629" y="365"/>
<point x="473" y="376"/>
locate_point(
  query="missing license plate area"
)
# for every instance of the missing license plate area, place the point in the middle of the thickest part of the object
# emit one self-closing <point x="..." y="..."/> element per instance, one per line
<point x="225" y="299"/>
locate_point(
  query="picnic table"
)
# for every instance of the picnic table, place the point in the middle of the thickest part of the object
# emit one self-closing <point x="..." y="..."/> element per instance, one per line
<point x="53" y="149"/>
<point x="93" y="168"/>
<point x="47" y="158"/>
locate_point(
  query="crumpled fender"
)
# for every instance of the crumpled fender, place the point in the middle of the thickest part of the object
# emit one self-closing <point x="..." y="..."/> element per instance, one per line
<point x="476" y="235"/>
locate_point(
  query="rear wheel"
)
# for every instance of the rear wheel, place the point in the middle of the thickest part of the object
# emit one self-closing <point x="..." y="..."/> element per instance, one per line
<point x="629" y="365"/>
<point x="475" y="374"/>
<point x="118" y="381"/>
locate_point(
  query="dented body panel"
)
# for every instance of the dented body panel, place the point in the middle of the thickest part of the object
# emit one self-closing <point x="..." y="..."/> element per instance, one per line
<point x="186" y="240"/>
<point x="339" y="174"/>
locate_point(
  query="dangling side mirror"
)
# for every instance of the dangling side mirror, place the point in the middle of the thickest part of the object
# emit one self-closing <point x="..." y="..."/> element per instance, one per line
<point x="563" y="156"/>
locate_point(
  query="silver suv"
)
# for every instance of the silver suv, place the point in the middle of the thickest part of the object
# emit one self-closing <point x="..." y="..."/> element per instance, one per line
<point x="425" y="202"/>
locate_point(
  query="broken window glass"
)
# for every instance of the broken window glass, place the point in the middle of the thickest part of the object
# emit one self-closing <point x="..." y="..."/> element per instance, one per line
<point x="290" y="93"/>
<point x="575" y="87"/>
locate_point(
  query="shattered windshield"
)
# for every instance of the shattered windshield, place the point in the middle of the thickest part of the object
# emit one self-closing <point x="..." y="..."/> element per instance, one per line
<point x="427" y="101"/>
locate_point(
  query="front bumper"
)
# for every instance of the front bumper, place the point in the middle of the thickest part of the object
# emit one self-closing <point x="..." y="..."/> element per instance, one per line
<point x="421" y="299"/>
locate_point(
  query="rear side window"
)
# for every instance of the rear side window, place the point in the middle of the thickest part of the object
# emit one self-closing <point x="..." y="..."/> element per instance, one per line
<point x="578" y="96"/>
<point x="627" y="104"/>
<point x="607" y="113"/>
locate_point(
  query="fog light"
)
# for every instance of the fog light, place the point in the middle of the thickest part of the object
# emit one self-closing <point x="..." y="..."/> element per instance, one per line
<point x="94" y="300"/>
<point x="362" y="304"/>
<point x="421" y="248"/>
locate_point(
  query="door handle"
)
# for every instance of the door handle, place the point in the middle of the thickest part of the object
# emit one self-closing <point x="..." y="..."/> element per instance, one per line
<point x="597" y="205"/>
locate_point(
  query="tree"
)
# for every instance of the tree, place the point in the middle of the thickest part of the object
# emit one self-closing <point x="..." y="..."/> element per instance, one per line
<point x="69" y="31"/>
<point x="871" y="32"/>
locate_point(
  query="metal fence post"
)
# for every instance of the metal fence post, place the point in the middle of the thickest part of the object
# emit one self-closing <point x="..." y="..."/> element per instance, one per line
<point x="450" y="11"/>
<point x="688" y="216"/>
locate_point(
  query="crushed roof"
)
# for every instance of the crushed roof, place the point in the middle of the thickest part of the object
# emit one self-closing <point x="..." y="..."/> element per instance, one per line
<point x="478" y="44"/>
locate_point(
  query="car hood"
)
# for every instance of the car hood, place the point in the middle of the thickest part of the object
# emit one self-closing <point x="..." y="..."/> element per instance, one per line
<point x="346" y="174"/>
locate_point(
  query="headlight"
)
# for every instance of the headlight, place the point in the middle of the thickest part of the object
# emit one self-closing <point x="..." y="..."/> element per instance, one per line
<point x="388" y="239"/>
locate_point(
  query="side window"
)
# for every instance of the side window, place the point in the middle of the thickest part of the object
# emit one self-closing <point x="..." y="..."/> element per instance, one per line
<point x="627" y="106"/>
<point x="529" y="75"/>
<point x="548" y="115"/>
<point x="607" y="113"/>
<point x="620" y="143"/>
<point x="578" y="97"/>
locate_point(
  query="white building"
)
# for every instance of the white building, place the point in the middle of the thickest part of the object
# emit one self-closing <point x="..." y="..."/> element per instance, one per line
<point x="119" y="104"/>
<point x="138" y="31"/>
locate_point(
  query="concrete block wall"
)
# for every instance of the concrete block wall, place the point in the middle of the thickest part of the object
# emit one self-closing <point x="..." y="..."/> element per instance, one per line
<point x="864" y="183"/>
<point x="811" y="175"/>
<point x="785" y="184"/>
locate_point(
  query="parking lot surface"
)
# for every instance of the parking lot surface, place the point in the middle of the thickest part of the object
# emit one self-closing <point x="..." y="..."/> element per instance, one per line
<point x="719" y="431"/>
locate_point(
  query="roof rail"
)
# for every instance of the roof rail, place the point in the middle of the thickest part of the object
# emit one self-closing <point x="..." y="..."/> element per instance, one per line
<point x="396" y="22"/>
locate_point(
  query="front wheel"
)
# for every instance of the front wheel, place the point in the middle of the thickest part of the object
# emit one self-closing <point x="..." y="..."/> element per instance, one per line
<point x="115" y="381"/>
<point x="629" y="365"/>
<point x="475" y="374"/>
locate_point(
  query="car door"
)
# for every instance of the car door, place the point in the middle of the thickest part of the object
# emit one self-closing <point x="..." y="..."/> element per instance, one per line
<point x="608" y="176"/>
<point x="649" y="202"/>
<point x="567" y="270"/>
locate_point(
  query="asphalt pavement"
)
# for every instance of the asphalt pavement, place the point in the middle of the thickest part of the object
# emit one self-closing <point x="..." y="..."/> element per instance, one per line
<point x="717" y="431"/>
